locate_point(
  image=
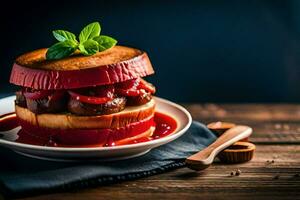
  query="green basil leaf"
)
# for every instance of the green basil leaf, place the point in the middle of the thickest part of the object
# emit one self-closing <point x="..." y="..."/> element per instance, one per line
<point x="61" y="50"/>
<point x="105" y="42"/>
<point x="62" y="35"/>
<point x="89" y="32"/>
<point x="89" y="47"/>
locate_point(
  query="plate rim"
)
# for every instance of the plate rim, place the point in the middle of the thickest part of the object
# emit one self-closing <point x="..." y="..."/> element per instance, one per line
<point x="163" y="140"/>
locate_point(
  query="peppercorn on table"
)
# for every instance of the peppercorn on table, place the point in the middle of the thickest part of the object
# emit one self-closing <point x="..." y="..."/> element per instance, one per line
<point x="274" y="172"/>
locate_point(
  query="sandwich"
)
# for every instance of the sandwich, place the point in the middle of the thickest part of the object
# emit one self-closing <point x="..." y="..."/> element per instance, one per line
<point x="100" y="99"/>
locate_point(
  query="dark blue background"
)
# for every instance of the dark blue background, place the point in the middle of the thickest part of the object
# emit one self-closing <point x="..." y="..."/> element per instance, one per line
<point x="219" y="51"/>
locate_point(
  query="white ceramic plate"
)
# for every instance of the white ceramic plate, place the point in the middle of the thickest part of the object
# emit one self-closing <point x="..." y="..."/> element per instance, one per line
<point x="181" y="115"/>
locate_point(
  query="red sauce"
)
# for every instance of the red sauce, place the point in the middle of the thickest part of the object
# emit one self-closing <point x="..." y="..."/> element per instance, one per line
<point x="164" y="126"/>
<point x="8" y="121"/>
<point x="101" y="137"/>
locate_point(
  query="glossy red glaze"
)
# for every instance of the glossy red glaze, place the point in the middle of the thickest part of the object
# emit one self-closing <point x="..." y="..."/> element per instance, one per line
<point x="146" y="86"/>
<point x="94" y="95"/>
<point x="37" y="94"/>
<point x="89" y="99"/>
<point x="164" y="125"/>
<point x="134" y="87"/>
<point x="40" y="94"/>
<point x="8" y="121"/>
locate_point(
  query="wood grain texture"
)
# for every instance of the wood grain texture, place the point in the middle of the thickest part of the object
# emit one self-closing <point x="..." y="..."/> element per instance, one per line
<point x="206" y="157"/>
<point x="272" y="123"/>
<point x="277" y="135"/>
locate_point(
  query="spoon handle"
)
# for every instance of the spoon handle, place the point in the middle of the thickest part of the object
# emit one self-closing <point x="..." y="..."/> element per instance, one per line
<point x="204" y="158"/>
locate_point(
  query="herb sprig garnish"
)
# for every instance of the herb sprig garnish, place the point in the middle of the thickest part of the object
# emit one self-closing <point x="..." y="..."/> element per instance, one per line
<point x="90" y="42"/>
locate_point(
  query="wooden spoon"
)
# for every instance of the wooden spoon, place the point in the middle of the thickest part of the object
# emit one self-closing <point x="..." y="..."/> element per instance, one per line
<point x="205" y="157"/>
<point x="220" y="127"/>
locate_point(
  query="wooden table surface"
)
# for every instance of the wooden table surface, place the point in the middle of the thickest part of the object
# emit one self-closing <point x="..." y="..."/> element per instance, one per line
<point x="277" y="137"/>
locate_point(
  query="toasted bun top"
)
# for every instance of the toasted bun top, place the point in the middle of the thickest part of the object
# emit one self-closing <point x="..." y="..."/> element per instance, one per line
<point x="114" y="65"/>
<point x="37" y="59"/>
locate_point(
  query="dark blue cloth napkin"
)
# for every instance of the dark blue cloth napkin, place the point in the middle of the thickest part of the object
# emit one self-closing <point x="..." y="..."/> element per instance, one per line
<point x="22" y="176"/>
<point x="2" y="95"/>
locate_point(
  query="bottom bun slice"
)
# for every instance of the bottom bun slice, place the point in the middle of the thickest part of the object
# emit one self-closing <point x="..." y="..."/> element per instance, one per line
<point x="99" y="137"/>
<point x="127" y="116"/>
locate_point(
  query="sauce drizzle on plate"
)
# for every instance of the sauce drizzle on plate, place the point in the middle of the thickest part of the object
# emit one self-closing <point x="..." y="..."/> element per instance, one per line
<point x="164" y="126"/>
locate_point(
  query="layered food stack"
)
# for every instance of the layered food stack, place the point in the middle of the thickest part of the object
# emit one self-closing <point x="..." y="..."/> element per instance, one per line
<point x="83" y="100"/>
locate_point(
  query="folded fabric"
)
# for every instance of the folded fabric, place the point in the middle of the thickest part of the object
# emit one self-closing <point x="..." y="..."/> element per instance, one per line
<point x="23" y="176"/>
